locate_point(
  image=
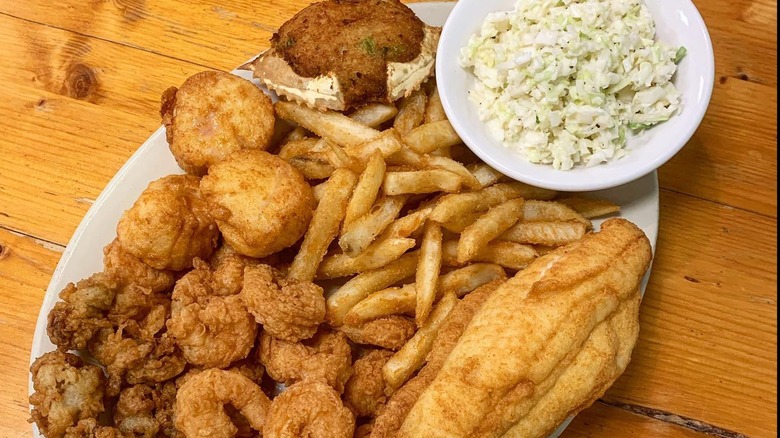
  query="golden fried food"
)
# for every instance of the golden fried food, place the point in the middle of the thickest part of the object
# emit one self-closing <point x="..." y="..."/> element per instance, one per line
<point x="66" y="390"/>
<point x="326" y="357"/>
<point x="390" y="332"/>
<point x="340" y="54"/>
<point x="261" y="203"/>
<point x="146" y="410"/>
<point x="309" y="409"/>
<point x="201" y="398"/>
<point x="90" y="428"/>
<point x="128" y="270"/>
<point x="81" y="313"/>
<point x="546" y="323"/>
<point x="364" y="393"/>
<point x="210" y="323"/>
<point x="287" y="309"/>
<point x="169" y="224"/>
<point x="211" y="116"/>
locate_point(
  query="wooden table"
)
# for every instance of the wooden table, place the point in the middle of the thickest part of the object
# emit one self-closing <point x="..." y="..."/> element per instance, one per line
<point x="81" y="86"/>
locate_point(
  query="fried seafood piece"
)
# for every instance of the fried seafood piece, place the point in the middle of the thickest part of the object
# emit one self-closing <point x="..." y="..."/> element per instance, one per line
<point x="390" y="332"/>
<point x="128" y="270"/>
<point x="309" y="409"/>
<point x="288" y="310"/>
<point x="228" y="268"/>
<point x="364" y="393"/>
<point x="169" y="224"/>
<point x="209" y="322"/>
<point x="146" y="411"/>
<point x="90" y="428"/>
<point x="82" y="312"/>
<point x="211" y="116"/>
<point x="67" y="390"/>
<point x="261" y="203"/>
<point x="201" y="398"/>
<point x="339" y="54"/>
<point x="325" y="357"/>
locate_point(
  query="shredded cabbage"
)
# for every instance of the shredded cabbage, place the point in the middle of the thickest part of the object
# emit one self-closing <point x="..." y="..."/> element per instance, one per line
<point x="566" y="81"/>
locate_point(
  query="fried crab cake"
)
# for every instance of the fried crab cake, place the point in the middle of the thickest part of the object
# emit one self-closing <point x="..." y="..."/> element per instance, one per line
<point x="169" y="224"/>
<point x="212" y="115"/>
<point x="341" y="54"/>
<point x="261" y="203"/>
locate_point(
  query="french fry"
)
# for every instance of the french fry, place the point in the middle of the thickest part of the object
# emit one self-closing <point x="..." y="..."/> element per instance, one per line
<point x="335" y="127"/>
<point x="460" y="223"/>
<point x="338" y="158"/>
<point x="319" y="190"/>
<point x="380" y="253"/>
<point x="406" y="157"/>
<point x="428" y="266"/>
<point x="374" y="114"/>
<point x="324" y="225"/>
<point x="546" y="233"/>
<point x="454" y="205"/>
<point x="510" y="255"/>
<point x="309" y="157"/>
<point x="551" y="211"/>
<point x="434" y="162"/>
<point x="407" y="225"/>
<point x="431" y="136"/>
<point x="411" y="112"/>
<point x="434" y="111"/>
<point x="487" y="227"/>
<point x="590" y="208"/>
<point x="421" y="181"/>
<point x="486" y="175"/>
<point x="298" y="147"/>
<point x="363" y="230"/>
<point x="412" y="355"/>
<point x="359" y="287"/>
<point x="367" y="188"/>
<point x="397" y="300"/>
<point x="296" y="134"/>
<point x="388" y="142"/>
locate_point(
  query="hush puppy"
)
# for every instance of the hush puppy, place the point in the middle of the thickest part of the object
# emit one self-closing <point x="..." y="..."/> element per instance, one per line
<point x="260" y="202"/>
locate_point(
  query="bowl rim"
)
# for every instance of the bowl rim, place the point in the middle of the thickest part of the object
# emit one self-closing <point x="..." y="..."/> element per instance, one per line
<point x="561" y="182"/>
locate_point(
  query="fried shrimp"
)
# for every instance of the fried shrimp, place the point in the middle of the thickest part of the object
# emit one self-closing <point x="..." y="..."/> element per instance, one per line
<point x="66" y="390"/>
<point x="326" y="357"/>
<point x="228" y="268"/>
<point x="200" y="402"/>
<point x="212" y="327"/>
<point x="309" y="409"/>
<point x="82" y="312"/>
<point x="211" y="116"/>
<point x="390" y="332"/>
<point x="364" y="393"/>
<point x="261" y="203"/>
<point x="146" y="411"/>
<point x="287" y="310"/>
<point x="128" y="270"/>
<point x="169" y="224"/>
<point x="90" y="428"/>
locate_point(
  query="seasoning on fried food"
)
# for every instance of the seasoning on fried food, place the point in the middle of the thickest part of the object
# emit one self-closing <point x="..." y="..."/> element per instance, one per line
<point x="261" y="203"/>
<point x="169" y="224"/>
<point x="211" y="116"/>
<point x="66" y="390"/>
<point x="309" y="409"/>
<point x="146" y="410"/>
<point x="201" y="399"/>
<point x="288" y="310"/>
<point x="364" y="393"/>
<point x="127" y="270"/>
<point x="81" y="313"/>
<point x="390" y="332"/>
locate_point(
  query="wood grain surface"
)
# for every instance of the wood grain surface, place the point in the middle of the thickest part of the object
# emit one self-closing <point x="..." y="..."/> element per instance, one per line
<point x="81" y="86"/>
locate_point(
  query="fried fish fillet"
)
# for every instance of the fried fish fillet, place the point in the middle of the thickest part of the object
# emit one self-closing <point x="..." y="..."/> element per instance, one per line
<point x="545" y="345"/>
<point x="339" y="54"/>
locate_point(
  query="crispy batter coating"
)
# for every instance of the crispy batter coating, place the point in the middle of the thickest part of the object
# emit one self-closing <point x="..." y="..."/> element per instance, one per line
<point x="200" y="400"/>
<point x="211" y="116"/>
<point x="287" y="310"/>
<point x="210" y="323"/>
<point x="128" y="270"/>
<point x="90" y="428"/>
<point x="261" y="203"/>
<point x="228" y="268"/>
<point x="309" y="409"/>
<point x="326" y="357"/>
<point x="353" y="39"/>
<point x="169" y="224"/>
<point x="364" y="393"/>
<point x="66" y="390"/>
<point x="390" y="332"/>
<point x="81" y="313"/>
<point x="146" y="411"/>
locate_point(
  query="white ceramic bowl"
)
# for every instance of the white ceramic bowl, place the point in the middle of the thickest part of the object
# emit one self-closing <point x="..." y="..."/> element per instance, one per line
<point x="678" y="23"/>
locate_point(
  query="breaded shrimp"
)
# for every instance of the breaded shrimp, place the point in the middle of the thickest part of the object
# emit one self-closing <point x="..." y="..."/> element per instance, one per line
<point x="287" y="310"/>
<point x="390" y="332"/>
<point x="201" y="399"/>
<point x="309" y="409"/>
<point x="364" y="393"/>
<point x="128" y="270"/>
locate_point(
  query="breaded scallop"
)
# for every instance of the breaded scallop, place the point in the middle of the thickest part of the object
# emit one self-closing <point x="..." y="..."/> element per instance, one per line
<point x="169" y="224"/>
<point x="261" y="203"/>
<point x="212" y="115"/>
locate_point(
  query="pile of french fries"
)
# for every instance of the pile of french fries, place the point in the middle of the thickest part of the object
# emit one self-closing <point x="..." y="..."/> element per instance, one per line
<point x="411" y="220"/>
